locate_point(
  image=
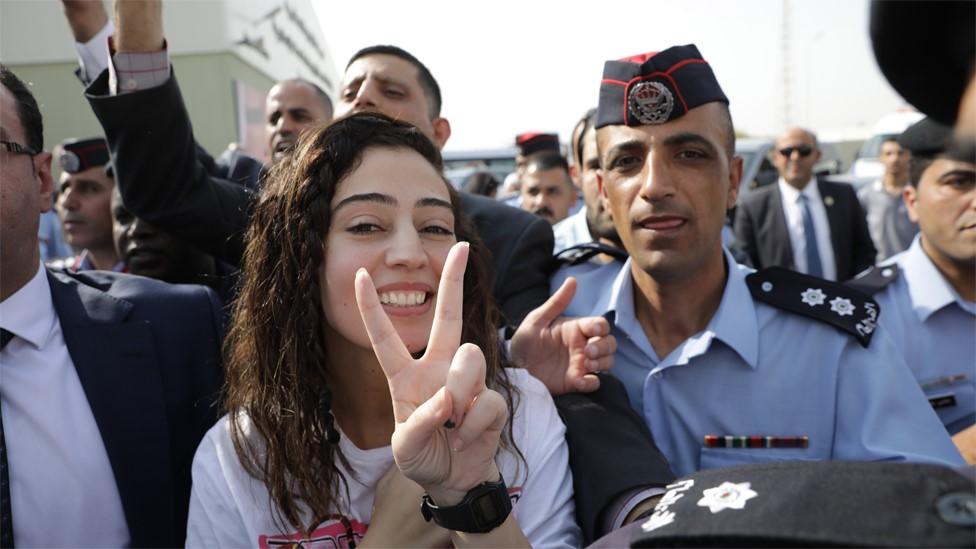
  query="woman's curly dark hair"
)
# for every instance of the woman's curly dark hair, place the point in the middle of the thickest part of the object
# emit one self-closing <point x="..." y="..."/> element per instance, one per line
<point x="276" y="360"/>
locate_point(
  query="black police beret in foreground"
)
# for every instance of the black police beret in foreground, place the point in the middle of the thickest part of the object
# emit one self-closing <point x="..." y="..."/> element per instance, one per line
<point x="816" y="504"/>
<point x="926" y="138"/>
<point x="653" y="88"/>
<point x="926" y="51"/>
<point x="77" y="155"/>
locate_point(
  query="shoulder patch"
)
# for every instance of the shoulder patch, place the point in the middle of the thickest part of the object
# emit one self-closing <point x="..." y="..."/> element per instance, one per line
<point x="842" y="307"/>
<point x="875" y="279"/>
<point x="581" y="253"/>
<point x="60" y="264"/>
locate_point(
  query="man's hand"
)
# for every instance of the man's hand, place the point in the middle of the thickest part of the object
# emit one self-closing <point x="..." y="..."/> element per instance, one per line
<point x="562" y="352"/>
<point x="965" y="440"/>
<point x="138" y="25"/>
<point x="85" y="17"/>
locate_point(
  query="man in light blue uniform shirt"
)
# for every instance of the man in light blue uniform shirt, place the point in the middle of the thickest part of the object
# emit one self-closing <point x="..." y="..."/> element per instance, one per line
<point x="729" y="366"/>
<point x="928" y="292"/>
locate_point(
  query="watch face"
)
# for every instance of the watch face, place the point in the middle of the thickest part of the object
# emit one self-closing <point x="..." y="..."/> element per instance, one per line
<point x="485" y="509"/>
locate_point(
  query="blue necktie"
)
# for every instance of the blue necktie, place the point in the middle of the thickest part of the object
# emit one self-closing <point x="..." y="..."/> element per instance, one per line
<point x="810" y="235"/>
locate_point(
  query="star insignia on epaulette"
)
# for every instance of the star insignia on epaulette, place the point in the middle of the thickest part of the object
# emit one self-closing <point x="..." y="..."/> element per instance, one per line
<point x="850" y="310"/>
<point x="842" y="306"/>
<point x="813" y="297"/>
<point x="728" y="495"/>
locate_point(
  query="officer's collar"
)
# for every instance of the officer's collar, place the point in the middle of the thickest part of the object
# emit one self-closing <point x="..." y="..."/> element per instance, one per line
<point x="927" y="287"/>
<point x="734" y="322"/>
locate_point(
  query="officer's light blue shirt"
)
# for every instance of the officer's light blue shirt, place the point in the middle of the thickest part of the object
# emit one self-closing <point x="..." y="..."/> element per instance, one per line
<point x="759" y="370"/>
<point x="935" y="330"/>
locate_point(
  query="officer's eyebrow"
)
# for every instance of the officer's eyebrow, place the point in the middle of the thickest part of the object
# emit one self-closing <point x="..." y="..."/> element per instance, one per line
<point x="969" y="173"/>
<point x="629" y="145"/>
<point x="689" y="138"/>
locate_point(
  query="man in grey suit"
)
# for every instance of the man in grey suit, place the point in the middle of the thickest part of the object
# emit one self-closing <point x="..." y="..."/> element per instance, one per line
<point x="803" y="222"/>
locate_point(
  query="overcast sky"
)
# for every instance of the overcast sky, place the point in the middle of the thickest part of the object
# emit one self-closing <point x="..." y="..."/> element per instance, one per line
<point x="535" y="65"/>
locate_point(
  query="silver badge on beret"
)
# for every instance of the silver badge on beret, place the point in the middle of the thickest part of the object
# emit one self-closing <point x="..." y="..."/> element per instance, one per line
<point x="650" y="102"/>
<point x="69" y="161"/>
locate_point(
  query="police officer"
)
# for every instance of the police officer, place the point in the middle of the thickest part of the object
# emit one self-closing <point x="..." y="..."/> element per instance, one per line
<point x="928" y="292"/>
<point x="725" y="365"/>
<point x="84" y="203"/>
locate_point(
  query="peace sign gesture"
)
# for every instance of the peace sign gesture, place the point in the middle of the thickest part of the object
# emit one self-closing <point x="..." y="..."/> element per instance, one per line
<point x="448" y="422"/>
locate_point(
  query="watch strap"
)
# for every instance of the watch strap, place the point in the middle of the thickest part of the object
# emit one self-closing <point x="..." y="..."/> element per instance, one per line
<point x="484" y="508"/>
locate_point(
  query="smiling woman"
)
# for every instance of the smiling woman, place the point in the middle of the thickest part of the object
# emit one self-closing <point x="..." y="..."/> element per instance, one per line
<point x="364" y="369"/>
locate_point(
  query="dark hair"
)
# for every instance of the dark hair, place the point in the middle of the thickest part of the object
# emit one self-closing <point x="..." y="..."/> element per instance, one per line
<point x="548" y="161"/>
<point x="483" y="183"/>
<point x="324" y="97"/>
<point x="27" y="110"/>
<point x="277" y="363"/>
<point x="730" y="130"/>
<point x="426" y="79"/>
<point x="917" y="167"/>
<point x="585" y="123"/>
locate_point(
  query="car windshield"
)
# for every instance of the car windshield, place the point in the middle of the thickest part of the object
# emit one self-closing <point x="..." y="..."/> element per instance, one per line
<point x="872" y="147"/>
<point x="746" y="157"/>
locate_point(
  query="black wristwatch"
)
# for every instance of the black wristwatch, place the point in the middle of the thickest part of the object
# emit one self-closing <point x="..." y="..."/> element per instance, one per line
<point x="484" y="508"/>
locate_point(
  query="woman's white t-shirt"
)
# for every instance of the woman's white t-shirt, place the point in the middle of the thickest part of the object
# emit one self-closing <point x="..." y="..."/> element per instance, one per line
<point x="230" y="508"/>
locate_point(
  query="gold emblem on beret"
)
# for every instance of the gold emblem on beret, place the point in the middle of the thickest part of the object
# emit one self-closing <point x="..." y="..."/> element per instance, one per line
<point x="650" y="102"/>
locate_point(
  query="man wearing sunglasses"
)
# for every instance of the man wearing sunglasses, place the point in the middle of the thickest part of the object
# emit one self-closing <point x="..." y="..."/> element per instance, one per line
<point x="802" y="222"/>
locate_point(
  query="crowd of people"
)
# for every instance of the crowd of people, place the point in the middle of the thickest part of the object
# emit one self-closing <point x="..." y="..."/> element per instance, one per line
<point x="341" y="349"/>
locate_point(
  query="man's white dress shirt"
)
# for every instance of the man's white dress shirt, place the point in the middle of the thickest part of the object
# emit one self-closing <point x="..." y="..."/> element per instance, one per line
<point x="62" y="489"/>
<point x="794" y="222"/>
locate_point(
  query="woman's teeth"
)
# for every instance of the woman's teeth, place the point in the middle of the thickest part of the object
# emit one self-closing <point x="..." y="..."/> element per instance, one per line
<point x="403" y="299"/>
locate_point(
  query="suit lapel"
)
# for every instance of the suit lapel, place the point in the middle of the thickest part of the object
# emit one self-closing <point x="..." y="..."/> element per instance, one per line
<point x="782" y="249"/>
<point x="835" y="220"/>
<point x="116" y="363"/>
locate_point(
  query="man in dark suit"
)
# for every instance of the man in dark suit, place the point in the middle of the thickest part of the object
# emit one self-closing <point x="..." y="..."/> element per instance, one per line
<point x="804" y="223"/>
<point x="109" y="380"/>
<point x="162" y="181"/>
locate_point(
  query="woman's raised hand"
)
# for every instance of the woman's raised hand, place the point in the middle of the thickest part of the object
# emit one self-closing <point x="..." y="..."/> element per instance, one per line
<point x="448" y="422"/>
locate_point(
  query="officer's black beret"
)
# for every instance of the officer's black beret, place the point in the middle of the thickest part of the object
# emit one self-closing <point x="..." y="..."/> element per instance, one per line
<point x="77" y="155"/>
<point x="926" y="138"/>
<point x="533" y="142"/>
<point x="652" y="88"/>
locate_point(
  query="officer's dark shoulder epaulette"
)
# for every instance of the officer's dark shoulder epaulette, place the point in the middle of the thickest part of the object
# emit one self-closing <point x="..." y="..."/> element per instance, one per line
<point x="875" y="279"/>
<point x="843" y="307"/>
<point x="581" y="253"/>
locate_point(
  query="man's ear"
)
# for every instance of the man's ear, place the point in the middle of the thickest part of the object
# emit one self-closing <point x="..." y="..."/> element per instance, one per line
<point x="735" y="181"/>
<point x="574" y="176"/>
<point x="42" y="171"/>
<point x="442" y="131"/>
<point x="910" y="196"/>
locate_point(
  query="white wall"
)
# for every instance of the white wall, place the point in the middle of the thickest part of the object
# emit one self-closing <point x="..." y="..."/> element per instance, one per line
<point x="35" y="32"/>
